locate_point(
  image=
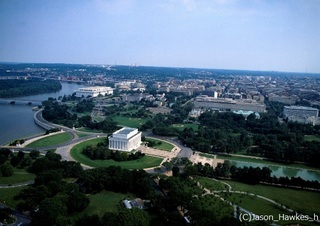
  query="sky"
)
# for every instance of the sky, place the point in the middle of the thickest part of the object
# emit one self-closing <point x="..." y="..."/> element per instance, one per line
<point x="270" y="35"/>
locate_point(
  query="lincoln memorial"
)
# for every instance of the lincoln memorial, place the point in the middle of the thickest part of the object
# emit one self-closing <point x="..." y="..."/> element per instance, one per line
<point x="125" y="139"/>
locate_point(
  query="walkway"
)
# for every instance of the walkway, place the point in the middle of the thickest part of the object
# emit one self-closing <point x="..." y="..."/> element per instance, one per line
<point x="216" y="194"/>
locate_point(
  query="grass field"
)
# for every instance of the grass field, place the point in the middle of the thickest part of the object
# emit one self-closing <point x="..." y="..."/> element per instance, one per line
<point x="17" y="177"/>
<point x="106" y="201"/>
<point x="256" y="205"/>
<point x="129" y="121"/>
<point x="307" y="202"/>
<point x="144" y="162"/>
<point x="216" y="206"/>
<point x="51" y="140"/>
<point x="163" y="146"/>
<point x="83" y="129"/>
<point x="7" y="196"/>
<point x="311" y="138"/>
<point x="207" y="155"/>
<point x="82" y="134"/>
<point x="210" y="184"/>
<point x="181" y="127"/>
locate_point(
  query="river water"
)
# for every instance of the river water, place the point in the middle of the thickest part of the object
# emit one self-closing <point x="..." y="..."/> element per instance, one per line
<point x="16" y="121"/>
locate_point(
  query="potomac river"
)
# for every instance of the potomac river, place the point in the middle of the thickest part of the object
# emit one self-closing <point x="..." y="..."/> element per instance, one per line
<point x="16" y="120"/>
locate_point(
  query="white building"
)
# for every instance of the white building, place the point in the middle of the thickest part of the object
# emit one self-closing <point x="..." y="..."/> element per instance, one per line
<point x="301" y="114"/>
<point x="300" y="111"/>
<point x="125" y="139"/>
<point x="94" y="91"/>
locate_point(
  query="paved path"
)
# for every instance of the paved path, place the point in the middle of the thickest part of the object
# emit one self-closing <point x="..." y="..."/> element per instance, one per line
<point x="216" y="193"/>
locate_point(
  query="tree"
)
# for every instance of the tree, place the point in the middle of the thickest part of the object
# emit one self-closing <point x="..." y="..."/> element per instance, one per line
<point x="34" y="154"/>
<point x="175" y="171"/>
<point x="133" y="217"/>
<point x="51" y="210"/>
<point x="6" y="170"/>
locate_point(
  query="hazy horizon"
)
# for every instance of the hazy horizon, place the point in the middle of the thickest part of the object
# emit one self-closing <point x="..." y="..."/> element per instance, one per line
<point x="257" y="35"/>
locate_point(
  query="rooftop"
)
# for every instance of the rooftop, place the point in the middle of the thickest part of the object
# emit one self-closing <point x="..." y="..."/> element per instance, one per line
<point x="125" y="130"/>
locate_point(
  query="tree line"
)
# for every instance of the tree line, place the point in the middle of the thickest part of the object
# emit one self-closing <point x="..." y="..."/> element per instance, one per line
<point x="249" y="175"/>
<point x="102" y="152"/>
<point x="16" y="88"/>
<point x="61" y="114"/>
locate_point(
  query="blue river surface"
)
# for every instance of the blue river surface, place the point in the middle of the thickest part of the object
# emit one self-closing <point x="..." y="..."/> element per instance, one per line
<point x="16" y="120"/>
<point x="283" y="171"/>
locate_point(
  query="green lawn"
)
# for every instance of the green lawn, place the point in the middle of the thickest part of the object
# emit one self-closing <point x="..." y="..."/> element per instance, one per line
<point x="308" y="202"/>
<point x="144" y="162"/>
<point x="217" y="207"/>
<point x="255" y="205"/>
<point x="82" y="134"/>
<point x="51" y="140"/>
<point x="207" y="155"/>
<point x="163" y="146"/>
<point x="17" y="177"/>
<point x="181" y="127"/>
<point x="210" y="184"/>
<point x="129" y="121"/>
<point x="311" y="138"/>
<point x="7" y="196"/>
<point x="85" y="129"/>
<point x="106" y="201"/>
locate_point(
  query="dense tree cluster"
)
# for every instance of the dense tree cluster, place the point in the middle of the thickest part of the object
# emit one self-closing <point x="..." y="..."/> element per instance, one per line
<point x="8" y="161"/>
<point x="125" y="217"/>
<point x="15" y="88"/>
<point x="85" y="105"/>
<point x="115" y="179"/>
<point x="60" y="114"/>
<point x="102" y="152"/>
<point x="266" y="137"/>
<point x="51" y="199"/>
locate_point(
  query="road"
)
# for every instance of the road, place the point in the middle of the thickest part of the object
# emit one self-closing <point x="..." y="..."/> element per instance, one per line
<point x="21" y="220"/>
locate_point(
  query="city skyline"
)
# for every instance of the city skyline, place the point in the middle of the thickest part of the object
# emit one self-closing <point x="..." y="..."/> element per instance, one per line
<point x="230" y="34"/>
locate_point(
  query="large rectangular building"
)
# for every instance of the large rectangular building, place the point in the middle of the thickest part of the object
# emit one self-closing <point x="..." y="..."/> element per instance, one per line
<point x="125" y="139"/>
<point x="300" y="111"/>
<point x="226" y="104"/>
<point x="94" y="91"/>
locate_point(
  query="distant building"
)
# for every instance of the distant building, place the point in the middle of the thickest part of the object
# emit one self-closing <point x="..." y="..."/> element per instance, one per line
<point x="125" y="139"/>
<point x="94" y="91"/>
<point x="300" y="111"/>
<point x="134" y="203"/>
<point x="301" y="114"/>
<point x="247" y="113"/>
<point x="226" y="104"/>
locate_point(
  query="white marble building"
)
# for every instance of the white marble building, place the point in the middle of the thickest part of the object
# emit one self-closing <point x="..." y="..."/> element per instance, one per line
<point x="125" y="139"/>
<point x="94" y="91"/>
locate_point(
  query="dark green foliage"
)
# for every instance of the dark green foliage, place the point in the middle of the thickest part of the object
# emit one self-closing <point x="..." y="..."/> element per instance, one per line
<point x="54" y="197"/>
<point x="115" y="179"/>
<point x="15" y="88"/>
<point x="34" y="154"/>
<point x="84" y="106"/>
<point x="266" y="137"/>
<point x="5" y="153"/>
<point x="5" y="213"/>
<point x="6" y="170"/>
<point x="126" y="217"/>
<point x="103" y="153"/>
